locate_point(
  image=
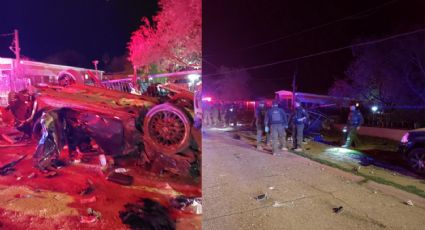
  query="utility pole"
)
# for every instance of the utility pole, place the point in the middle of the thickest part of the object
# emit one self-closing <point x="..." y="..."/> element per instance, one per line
<point x="294" y="88"/>
<point x="95" y="62"/>
<point x="16" y="49"/>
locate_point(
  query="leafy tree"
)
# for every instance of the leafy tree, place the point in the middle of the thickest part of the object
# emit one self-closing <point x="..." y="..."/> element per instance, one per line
<point x="390" y="74"/>
<point x="230" y="84"/>
<point x="172" y="41"/>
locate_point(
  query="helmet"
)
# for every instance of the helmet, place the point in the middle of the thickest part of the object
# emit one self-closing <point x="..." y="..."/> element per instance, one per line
<point x="275" y="103"/>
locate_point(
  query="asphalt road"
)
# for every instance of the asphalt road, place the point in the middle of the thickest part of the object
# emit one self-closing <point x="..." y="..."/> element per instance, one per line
<point x="301" y="194"/>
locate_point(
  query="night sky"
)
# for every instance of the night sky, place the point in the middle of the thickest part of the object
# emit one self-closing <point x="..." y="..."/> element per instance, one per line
<point x="231" y="26"/>
<point x="75" y="31"/>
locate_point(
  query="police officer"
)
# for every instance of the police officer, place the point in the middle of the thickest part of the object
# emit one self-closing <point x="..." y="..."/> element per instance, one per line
<point x="278" y="121"/>
<point x="260" y="115"/>
<point x="231" y="115"/>
<point x="215" y="114"/>
<point x="355" y="120"/>
<point x="300" y="118"/>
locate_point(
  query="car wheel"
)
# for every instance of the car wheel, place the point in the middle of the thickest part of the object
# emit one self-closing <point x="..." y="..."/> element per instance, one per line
<point x="166" y="129"/>
<point x="66" y="80"/>
<point x="416" y="160"/>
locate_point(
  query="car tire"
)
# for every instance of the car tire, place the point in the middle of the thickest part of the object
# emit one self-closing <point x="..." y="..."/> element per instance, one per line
<point x="167" y="129"/>
<point x="416" y="160"/>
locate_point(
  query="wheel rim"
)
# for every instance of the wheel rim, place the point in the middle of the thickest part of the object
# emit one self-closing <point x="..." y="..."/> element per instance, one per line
<point x="167" y="129"/>
<point x="417" y="162"/>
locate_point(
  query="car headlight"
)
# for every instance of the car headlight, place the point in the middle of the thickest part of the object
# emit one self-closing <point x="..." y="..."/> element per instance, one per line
<point x="405" y="138"/>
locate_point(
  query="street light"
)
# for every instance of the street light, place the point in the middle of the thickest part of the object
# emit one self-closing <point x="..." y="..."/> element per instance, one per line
<point x="193" y="77"/>
<point x="374" y="108"/>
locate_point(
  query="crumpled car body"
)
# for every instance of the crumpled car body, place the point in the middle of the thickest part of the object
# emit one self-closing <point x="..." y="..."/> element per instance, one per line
<point x="119" y="123"/>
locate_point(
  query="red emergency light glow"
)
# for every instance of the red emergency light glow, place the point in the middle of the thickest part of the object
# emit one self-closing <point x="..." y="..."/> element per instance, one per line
<point x="206" y="99"/>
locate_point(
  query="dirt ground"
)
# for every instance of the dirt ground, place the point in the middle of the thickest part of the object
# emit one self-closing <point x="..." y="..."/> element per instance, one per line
<point x="29" y="200"/>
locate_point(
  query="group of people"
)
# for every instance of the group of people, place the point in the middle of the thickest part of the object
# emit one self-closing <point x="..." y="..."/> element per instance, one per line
<point x="275" y="121"/>
<point x="220" y="114"/>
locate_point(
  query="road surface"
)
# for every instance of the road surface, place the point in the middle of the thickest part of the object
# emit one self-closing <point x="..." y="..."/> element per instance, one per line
<point x="301" y="193"/>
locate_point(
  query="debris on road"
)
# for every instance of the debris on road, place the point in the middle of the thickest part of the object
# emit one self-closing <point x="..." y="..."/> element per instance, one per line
<point x="338" y="210"/>
<point x="261" y="197"/>
<point x="197" y="206"/>
<point x="236" y="137"/>
<point x="357" y="169"/>
<point x="32" y="175"/>
<point x="51" y="174"/>
<point x="88" y="200"/>
<point x="409" y="202"/>
<point x="92" y="212"/>
<point x="147" y="214"/>
<point x="277" y="204"/>
<point x="88" y="219"/>
<point x="10" y="167"/>
<point x="182" y="202"/>
<point x="121" y="170"/>
<point x="88" y="189"/>
<point x="120" y="178"/>
<point x="271" y="188"/>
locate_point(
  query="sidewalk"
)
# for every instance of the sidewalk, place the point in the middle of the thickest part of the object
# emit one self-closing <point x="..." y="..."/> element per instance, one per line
<point x="302" y="193"/>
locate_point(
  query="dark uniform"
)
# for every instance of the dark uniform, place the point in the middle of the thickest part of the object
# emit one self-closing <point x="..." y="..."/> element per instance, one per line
<point x="300" y="117"/>
<point x="231" y="115"/>
<point x="215" y="114"/>
<point x="260" y="115"/>
<point x="278" y="121"/>
<point x="355" y="120"/>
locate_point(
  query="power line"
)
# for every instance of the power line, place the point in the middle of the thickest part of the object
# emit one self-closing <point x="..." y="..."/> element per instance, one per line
<point x="6" y="35"/>
<point x="353" y="16"/>
<point x="321" y="53"/>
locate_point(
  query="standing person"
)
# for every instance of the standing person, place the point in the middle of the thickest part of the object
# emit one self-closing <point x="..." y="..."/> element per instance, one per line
<point x="207" y="113"/>
<point x="355" y="120"/>
<point x="222" y="114"/>
<point x="260" y="115"/>
<point x="231" y="115"/>
<point x="278" y="121"/>
<point x="216" y="114"/>
<point x="300" y="117"/>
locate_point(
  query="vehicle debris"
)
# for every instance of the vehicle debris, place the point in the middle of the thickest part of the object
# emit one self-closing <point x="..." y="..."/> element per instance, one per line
<point x="183" y="202"/>
<point x="50" y="174"/>
<point x="92" y="212"/>
<point x="277" y="204"/>
<point x="88" y="200"/>
<point x="81" y="117"/>
<point x="88" y="189"/>
<point x="121" y="170"/>
<point x="147" y="214"/>
<point x="120" y="178"/>
<point x="32" y="175"/>
<point x="409" y="202"/>
<point x="88" y="219"/>
<point x="338" y="209"/>
<point x="10" y="167"/>
<point x="261" y="197"/>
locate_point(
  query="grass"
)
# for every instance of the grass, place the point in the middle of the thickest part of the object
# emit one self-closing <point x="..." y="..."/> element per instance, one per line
<point x="407" y="188"/>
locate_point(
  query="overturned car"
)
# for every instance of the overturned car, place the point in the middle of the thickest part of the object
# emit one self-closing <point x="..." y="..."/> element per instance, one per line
<point x="159" y="130"/>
